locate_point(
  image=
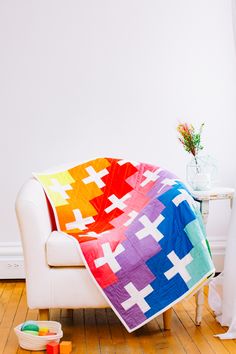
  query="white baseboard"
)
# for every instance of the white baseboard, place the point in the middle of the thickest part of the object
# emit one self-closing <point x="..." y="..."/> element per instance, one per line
<point x="11" y="261"/>
<point x="218" y="246"/>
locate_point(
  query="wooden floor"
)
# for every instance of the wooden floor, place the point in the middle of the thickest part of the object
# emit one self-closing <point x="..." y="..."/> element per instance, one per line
<point x="99" y="331"/>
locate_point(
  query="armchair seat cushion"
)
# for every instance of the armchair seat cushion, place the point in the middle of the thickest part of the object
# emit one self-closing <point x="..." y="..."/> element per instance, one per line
<point x="62" y="251"/>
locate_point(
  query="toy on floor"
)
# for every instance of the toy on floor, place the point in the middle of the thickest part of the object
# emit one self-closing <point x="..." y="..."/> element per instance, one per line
<point x="31" y="327"/>
<point x="65" y="347"/>
<point x="35" y="335"/>
<point x="53" y="348"/>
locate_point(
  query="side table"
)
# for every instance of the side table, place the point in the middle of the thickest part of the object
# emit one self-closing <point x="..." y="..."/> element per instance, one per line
<point x="204" y="197"/>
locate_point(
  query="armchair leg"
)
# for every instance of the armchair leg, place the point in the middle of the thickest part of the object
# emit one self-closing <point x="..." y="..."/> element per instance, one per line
<point x="167" y="317"/>
<point x="43" y="314"/>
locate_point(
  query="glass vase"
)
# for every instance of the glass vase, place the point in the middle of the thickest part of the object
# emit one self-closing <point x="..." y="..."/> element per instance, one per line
<point x="201" y="172"/>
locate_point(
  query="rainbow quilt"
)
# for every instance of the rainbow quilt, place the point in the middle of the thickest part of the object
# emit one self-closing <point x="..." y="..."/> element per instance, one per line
<point x="138" y="230"/>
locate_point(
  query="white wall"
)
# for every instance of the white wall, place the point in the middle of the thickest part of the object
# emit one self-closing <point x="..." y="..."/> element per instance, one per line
<point x="80" y="79"/>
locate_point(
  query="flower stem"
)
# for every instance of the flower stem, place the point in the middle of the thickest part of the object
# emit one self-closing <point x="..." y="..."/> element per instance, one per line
<point x="197" y="168"/>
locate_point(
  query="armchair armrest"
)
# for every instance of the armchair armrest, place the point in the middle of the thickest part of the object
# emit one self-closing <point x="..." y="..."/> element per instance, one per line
<point x="35" y="227"/>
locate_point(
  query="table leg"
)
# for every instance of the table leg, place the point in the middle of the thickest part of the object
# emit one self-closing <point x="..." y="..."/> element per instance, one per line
<point x="199" y="299"/>
<point x="204" y="208"/>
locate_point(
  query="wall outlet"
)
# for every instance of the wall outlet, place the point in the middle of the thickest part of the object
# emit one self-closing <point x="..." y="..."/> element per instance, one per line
<point x="15" y="264"/>
<point x="11" y="261"/>
<point x="12" y="269"/>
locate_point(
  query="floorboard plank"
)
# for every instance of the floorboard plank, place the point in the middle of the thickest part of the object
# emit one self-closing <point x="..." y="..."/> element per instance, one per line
<point x="192" y="329"/>
<point x="9" y="313"/>
<point x="91" y="333"/>
<point x="171" y="338"/>
<point x="216" y="345"/>
<point x="78" y="336"/>
<point x="152" y="339"/>
<point x="183" y="336"/>
<point x="12" y="342"/>
<point x="117" y="334"/>
<point x="8" y="289"/>
<point x="132" y="341"/>
<point x="104" y="335"/>
<point x="73" y="330"/>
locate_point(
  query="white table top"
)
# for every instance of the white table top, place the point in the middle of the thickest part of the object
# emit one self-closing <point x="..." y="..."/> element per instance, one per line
<point x="214" y="193"/>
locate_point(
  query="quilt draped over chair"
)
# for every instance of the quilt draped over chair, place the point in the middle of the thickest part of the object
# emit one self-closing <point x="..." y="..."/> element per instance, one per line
<point x="138" y="230"/>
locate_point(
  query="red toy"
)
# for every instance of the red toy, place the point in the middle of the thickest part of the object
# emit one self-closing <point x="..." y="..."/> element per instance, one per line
<point x="53" y="348"/>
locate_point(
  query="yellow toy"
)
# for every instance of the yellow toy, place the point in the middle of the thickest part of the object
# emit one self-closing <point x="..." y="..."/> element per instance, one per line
<point x="43" y="331"/>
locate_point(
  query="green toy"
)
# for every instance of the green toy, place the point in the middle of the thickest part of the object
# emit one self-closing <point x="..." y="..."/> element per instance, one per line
<point x="34" y="333"/>
<point x="30" y="326"/>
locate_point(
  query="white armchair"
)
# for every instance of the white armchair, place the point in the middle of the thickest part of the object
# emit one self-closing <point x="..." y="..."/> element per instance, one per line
<point x="55" y="274"/>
